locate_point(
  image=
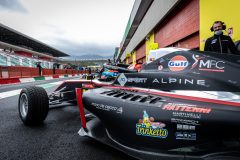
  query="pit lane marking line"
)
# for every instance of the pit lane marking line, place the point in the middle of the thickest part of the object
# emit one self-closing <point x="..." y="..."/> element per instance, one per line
<point x="10" y="93"/>
<point x="17" y="92"/>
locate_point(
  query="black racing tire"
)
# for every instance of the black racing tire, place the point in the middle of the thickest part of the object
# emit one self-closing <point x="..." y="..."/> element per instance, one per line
<point x="33" y="105"/>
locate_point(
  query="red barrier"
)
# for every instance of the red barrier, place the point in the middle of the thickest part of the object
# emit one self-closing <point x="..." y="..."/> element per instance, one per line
<point x="14" y="72"/>
<point x="86" y="71"/>
<point x="0" y="72"/>
<point x="47" y="72"/>
<point x="82" y="72"/>
<point x="34" y="72"/>
<point x="21" y="72"/>
<point x="25" y="71"/>
<point x="60" y="71"/>
<point x="69" y="71"/>
<point x="74" y="72"/>
<point x="55" y="76"/>
<point x="9" y="80"/>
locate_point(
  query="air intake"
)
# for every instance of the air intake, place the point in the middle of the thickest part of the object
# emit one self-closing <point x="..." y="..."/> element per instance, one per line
<point x="133" y="96"/>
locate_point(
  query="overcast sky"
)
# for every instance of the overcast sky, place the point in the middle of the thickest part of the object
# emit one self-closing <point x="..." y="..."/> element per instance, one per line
<point x="76" y="27"/>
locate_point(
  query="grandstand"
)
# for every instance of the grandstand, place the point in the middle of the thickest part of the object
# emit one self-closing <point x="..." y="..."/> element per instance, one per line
<point x="21" y="50"/>
<point x="22" y="56"/>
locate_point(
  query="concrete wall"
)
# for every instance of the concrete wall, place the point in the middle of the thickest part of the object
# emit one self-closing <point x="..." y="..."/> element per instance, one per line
<point x="179" y="24"/>
<point x="154" y="15"/>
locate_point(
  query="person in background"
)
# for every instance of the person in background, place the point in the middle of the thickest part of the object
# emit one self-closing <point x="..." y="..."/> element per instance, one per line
<point x="237" y="44"/>
<point x="55" y="65"/>
<point x="54" y="69"/>
<point x="109" y="61"/>
<point x="39" y="68"/>
<point x="89" y="70"/>
<point x="218" y="42"/>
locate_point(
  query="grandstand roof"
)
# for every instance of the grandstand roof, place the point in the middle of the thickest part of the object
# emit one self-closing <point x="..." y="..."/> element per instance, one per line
<point x="16" y="38"/>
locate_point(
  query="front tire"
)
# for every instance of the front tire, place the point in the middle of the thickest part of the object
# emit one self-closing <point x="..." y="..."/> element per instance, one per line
<point x="33" y="105"/>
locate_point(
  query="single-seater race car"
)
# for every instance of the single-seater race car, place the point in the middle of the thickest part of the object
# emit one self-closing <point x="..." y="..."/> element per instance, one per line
<point x="183" y="105"/>
<point x="110" y="71"/>
<point x="34" y="102"/>
<point x="66" y="91"/>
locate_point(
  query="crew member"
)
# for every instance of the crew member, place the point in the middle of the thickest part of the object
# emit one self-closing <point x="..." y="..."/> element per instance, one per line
<point x="219" y="42"/>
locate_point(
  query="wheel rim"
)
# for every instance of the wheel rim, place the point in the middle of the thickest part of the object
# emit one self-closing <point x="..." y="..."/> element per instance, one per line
<point x="23" y="105"/>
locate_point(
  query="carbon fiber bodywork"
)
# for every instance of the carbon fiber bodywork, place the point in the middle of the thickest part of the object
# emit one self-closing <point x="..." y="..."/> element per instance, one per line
<point x="65" y="93"/>
<point x="154" y="115"/>
<point x="179" y="127"/>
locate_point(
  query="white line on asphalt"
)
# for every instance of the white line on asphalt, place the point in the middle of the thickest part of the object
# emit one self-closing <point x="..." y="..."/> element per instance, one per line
<point x="17" y="92"/>
<point x="9" y="93"/>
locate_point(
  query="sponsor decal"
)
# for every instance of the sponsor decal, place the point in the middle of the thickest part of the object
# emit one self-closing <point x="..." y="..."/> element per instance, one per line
<point x="160" y="67"/>
<point x="196" y="58"/>
<point x="178" y="63"/>
<point x="208" y="65"/>
<point x="120" y="110"/>
<point x="185" y="121"/>
<point x="137" y="80"/>
<point x="147" y="127"/>
<point x="122" y="79"/>
<point x="186" y="135"/>
<point x="185" y="127"/>
<point x="183" y="81"/>
<point x="84" y="90"/>
<point x="112" y="67"/>
<point x="152" y="59"/>
<point x="187" y="115"/>
<point x="107" y="107"/>
<point x="230" y="32"/>
<point x="212" y="65"/>
<point x="186" y="108"/>
<point x="161" y="60"/>
<point x="88" y="86"/>
<point x="213" y="41"/>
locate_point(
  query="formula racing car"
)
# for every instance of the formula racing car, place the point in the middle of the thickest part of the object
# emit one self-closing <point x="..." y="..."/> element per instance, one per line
<point x="182" y="105"/>
<point x="34" y="102"/>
